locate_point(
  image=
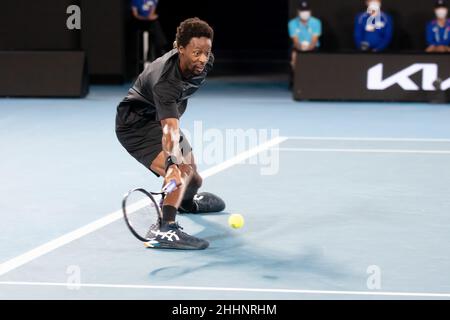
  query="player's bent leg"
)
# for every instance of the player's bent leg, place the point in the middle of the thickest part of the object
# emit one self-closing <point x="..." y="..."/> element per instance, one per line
<point x="167" y="233"/>
<point x="203" y="202"/>
<point x="159" y="164"/>
<point x="188" y="204"/>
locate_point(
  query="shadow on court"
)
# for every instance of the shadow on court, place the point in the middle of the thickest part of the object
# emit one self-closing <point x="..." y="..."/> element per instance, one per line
<point x="228" y="250"/>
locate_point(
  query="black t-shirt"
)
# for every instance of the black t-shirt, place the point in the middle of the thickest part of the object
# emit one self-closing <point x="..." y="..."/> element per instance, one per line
<point x="161" y="91"/>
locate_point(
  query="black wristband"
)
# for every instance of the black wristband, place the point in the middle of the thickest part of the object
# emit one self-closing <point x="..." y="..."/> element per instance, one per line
<point x="171" y="160"/>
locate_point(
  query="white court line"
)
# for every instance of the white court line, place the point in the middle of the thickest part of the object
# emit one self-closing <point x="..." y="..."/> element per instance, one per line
<point x="116" y="215"/>
<point x="369" y="139"/>
<point x="260" y="290"/>
<point x="243" y="156"/>
<point x="365" y="150"/>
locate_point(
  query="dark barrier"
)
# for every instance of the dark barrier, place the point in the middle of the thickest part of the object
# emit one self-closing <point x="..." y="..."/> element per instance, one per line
<point x="103" y="38"/>
<point x="37" y="25"/>
<point x="43" y="74"/>
<point x="380" y="77"/>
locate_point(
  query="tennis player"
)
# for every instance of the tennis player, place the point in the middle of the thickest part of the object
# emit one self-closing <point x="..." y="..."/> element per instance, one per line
<point x="148" y="127"/>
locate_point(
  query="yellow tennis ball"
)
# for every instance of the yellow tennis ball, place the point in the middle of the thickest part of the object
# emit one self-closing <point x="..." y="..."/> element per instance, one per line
<point x="236" y="221"/>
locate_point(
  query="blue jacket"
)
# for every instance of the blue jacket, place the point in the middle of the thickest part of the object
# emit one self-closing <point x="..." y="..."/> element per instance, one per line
<point x="381" y="35"/>
<point x="144" y="7"/>
<point x="437" y="36"/>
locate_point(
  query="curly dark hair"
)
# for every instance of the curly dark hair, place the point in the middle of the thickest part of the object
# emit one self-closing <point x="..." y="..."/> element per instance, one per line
<point x="192" y="28"/>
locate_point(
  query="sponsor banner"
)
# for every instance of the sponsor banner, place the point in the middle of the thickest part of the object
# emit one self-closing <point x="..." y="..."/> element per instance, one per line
<point x="372" y="77"/>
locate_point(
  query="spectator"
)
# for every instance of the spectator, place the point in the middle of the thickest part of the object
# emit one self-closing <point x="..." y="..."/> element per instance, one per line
<point x="438" y="31"/>
<point x="144" y="12"/>
<point x="304" y="31"/>
<point x="373" y="28"/>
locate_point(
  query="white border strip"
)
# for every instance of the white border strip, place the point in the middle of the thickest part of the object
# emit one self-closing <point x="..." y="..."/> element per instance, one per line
<point x="222" y="289"/>
<point x="369" y="139"/>
<point x="110" y="218"/>
<point x="364" y="150"/>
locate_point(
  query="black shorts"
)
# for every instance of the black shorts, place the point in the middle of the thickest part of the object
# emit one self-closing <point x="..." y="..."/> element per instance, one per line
<point x="142" y="136"/>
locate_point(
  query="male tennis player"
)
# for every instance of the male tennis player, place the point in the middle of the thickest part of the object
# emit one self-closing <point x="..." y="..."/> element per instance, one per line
<point x="148" y="127"/>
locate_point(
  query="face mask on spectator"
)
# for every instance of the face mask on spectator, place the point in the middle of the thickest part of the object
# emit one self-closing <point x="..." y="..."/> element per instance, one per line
<point x="374" y="6"/>
<point x="441" y="13"/>
<point x="305" y="15"/>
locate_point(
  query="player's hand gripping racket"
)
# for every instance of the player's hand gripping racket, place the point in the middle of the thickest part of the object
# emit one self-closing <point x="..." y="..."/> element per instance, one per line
<point x="140" y="209"/>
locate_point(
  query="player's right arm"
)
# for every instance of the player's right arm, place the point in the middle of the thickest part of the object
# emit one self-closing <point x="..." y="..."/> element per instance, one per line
<point x="171" y="136"/>
<point x="166" y="94"/>
<point x="171" y="148"/>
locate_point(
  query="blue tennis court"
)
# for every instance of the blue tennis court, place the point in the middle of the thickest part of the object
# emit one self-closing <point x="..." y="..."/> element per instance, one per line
<point x="340" y="200"/>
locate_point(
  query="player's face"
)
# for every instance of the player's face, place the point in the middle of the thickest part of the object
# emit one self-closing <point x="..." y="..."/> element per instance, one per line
<point x="196" y="54"/>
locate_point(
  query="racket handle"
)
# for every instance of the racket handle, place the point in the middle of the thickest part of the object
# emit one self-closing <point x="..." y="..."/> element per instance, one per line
<point x="168" y="188"/>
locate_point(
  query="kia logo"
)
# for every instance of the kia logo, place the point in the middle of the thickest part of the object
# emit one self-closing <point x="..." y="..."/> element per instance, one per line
<point x="429" y="71"/>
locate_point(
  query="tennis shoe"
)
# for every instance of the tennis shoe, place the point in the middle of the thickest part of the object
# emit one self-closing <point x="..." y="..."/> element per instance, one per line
<point x="171" y="236"/>
<point x="203" y="202"/>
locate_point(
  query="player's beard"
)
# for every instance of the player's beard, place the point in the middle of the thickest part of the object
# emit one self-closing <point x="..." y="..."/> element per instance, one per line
<point x="197" y="69"/>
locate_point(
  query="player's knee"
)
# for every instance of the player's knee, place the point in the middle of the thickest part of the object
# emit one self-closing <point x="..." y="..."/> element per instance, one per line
<point x="197" y="180"/>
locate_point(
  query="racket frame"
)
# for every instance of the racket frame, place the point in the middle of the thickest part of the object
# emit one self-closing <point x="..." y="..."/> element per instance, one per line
<point x="125" y="213"/>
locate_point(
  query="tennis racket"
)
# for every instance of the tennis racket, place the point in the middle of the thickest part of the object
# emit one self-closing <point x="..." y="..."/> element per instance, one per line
<point x="140" y="209"/>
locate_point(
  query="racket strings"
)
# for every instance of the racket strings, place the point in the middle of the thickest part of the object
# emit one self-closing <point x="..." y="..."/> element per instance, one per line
<point x="141" y="213"/>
